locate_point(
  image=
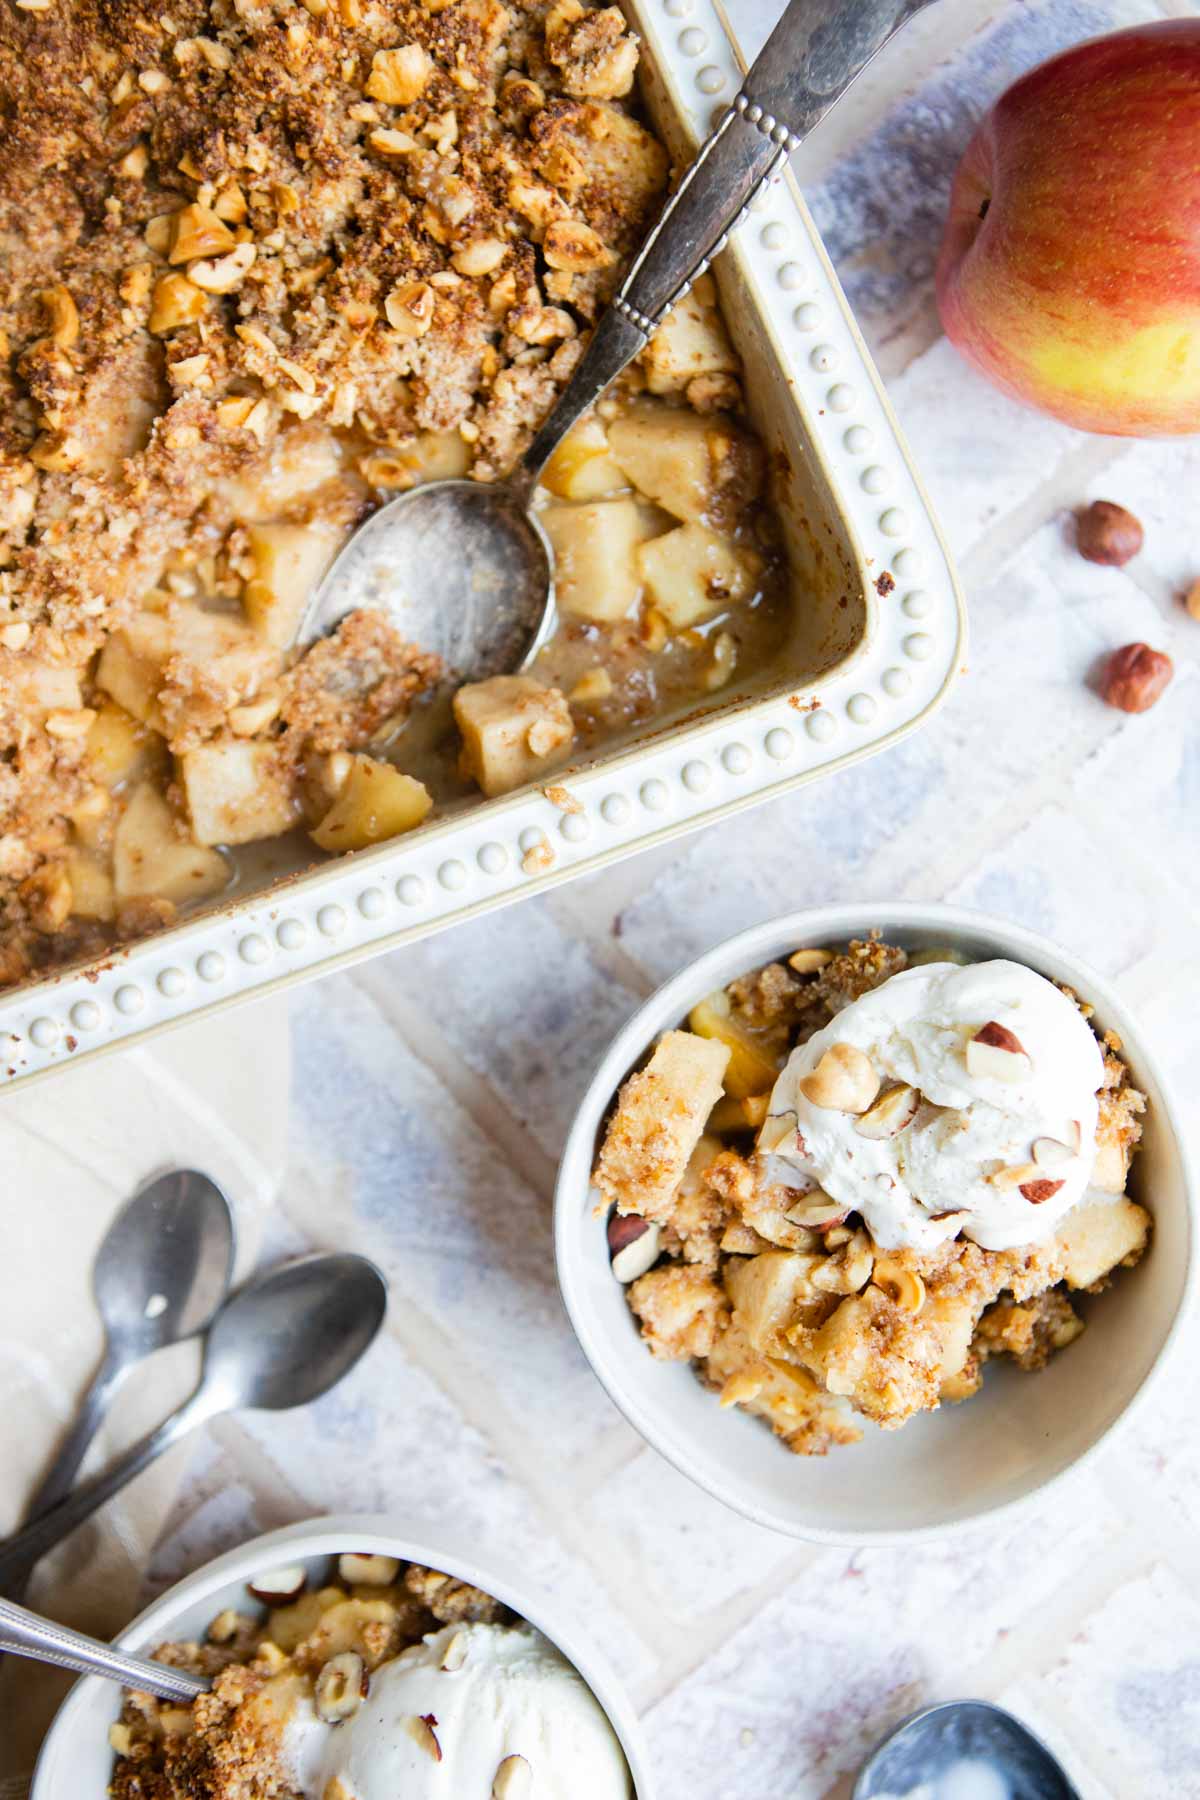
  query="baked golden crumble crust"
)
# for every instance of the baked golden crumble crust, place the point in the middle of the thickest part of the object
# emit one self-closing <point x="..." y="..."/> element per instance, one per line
<point x="794" y="1313"/>
<point x="245" y="243"/>
<point x="267" y="262"/>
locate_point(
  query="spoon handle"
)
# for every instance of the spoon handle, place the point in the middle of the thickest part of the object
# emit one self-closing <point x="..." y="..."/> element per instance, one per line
<point x="26" y="1633"/>
<point x="58" y="1478"/>
<point x="818" y="48"/>
<point x="19" y="1553"/>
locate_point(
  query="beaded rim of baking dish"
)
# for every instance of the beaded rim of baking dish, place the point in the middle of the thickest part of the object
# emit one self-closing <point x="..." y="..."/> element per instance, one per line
<point x="364" y="904"/>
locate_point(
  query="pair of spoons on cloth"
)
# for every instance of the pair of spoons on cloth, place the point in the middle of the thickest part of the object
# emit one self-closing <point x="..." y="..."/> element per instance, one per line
<point x="161" y="1276"/>
<point x="463" y="567"/>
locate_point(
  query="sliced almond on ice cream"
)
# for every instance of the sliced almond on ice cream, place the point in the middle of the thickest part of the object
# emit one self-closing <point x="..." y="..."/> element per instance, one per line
<point x="818" y="1212"/>
<point x="514" y="1779"/>
<point x="778" y="1129"/>
<point x="997" y="1053"/>
<point x="421" y="1731"/>
<point x="1036" y="1192"/>
<point x="1016" y="1175"/>
<point x="1051" y="1153"/>
<point x="891" y="1113"/>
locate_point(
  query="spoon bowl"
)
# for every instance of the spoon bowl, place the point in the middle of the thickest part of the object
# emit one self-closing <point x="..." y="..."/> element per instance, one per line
<point x="292" y="1335"/>
<point x="460" y="567"/>
<point x="963" y="1741"/>
<point x="164" y="1266"/>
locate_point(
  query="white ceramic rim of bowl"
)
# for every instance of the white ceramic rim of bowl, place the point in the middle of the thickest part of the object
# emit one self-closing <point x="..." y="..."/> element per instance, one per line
<point x="669" y="1004"/>
<point x="307" y="1541"/>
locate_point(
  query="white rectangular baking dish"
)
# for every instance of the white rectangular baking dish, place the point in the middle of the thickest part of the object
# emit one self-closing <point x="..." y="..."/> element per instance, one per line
<point x="877" y="643"/>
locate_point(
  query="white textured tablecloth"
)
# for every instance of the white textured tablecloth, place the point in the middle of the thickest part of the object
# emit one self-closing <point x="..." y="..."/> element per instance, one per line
<point x="431" y="1091"/>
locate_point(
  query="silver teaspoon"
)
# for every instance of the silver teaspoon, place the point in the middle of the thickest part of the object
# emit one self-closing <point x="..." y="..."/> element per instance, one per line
<point x="463" y="567"/>
<point x="979" y="1746"/>
<point x="160" y="1274"/>
<point x="26" y="1633"/>
<point x="282" y="1341"/>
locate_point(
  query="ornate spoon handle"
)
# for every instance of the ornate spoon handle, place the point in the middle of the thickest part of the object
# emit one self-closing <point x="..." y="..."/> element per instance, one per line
<point x="26" y="1633"/>
<point x="814" y="53"/>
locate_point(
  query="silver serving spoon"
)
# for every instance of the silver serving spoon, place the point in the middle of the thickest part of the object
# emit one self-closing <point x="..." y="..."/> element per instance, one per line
<point x="282" y="1341"/>
<point x="26" y="1633"/>
<point x="463" y="567"/>
<point x="929" y="1743"/>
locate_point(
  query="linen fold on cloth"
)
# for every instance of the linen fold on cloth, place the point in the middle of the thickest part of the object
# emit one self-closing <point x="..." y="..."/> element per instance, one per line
<point x="73" y="1148"/>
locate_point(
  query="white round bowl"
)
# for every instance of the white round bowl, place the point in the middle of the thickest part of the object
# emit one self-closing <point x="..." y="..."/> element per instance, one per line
<point x="76" y="1761"/>
<point x="944" y="1470"/>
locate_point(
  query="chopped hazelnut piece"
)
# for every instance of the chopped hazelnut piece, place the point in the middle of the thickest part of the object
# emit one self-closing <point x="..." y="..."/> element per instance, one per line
<point x="222" y="274"/>
<point x="398" y="76"/>
<point x="570" y="244"/>
<point x="177" y="301"/>
<point x="61" y="314"/>
<point x="842" y="1081"/>
<point x="197" y="231"/>
<point x="409" y="308"/>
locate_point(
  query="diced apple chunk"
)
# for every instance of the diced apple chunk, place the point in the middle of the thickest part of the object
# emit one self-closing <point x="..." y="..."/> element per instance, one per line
<point x="767" y="1292"/>
<point x="581" y="468"/>
<point x="513" y="730"/>
<point x="47" y="687"/>
<point x="700" y="469"/>
<point x="152" y="854"/>
<point x="375" y="802"/>
<point x="691" y="341"/>
<point x="595" y="557"/>
<point x="691" y="574"/>
<point x="237" y="792"/>
<point x="752" y="1067"/>
<point x="92" y="895"/>
<point x="661" y="1114"/>
<point x="289" y="561"/>
<point x="120" y="748"/>
<point x="131" y="666"/>
<point x="1094" y="1237"/>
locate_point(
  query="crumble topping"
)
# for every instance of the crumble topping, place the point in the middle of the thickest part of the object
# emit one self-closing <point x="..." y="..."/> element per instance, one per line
<point x="265" y="263"/>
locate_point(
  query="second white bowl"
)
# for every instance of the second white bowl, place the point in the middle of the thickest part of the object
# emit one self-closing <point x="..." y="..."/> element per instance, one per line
<point x="948" y="1469"/>
<point x="76" y="1761"/>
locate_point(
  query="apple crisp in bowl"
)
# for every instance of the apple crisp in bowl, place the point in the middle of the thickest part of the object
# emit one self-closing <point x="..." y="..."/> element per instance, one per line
<point x="352" y="1660"/>
<point x="267" y="263"/>
<point x="875" y="1168"/>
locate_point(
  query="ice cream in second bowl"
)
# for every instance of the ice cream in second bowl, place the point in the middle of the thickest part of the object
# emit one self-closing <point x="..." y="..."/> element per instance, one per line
<point x="391" y="1680"/>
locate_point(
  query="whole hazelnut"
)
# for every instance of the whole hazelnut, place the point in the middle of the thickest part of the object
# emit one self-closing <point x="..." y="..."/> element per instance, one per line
<point x="1108" y="533"/>
<point x="1135" y="676"/>
<point x="1191" y="600"/>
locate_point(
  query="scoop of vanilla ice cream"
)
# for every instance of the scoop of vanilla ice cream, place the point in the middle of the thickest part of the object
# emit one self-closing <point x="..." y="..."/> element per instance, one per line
<point x="507" y="1692"/>
<point x="915" y="1029"/>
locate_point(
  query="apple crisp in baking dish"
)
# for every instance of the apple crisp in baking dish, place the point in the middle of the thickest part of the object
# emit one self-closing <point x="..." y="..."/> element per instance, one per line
<point x="856" y="1176"/>
<point x="266" y="263"/>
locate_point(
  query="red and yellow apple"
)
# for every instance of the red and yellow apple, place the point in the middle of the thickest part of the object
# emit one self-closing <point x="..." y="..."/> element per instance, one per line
<point x="1070" y="268"/>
